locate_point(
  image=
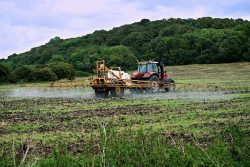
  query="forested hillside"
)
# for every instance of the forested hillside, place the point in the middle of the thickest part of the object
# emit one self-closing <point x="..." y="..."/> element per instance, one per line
<point x="173" y="41"/>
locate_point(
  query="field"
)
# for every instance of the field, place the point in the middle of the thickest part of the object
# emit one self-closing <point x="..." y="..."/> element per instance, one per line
<point x="206" y="122"/>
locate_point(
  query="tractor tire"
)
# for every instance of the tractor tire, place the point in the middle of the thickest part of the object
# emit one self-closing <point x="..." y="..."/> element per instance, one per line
<point x="154" y="78"/>
<point x="101" y="94"/>
<point x="154" y="85"/>
<point x="171" y="88"/>
<point x="117" y="92"/>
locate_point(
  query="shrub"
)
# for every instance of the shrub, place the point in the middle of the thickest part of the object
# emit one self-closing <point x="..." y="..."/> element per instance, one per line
<point x="25" y="74"/>
<point x="63" y="70"/>
<point x="4" y="73"/>
<point x="83" y="74"/>
<point x="45" y="74"/>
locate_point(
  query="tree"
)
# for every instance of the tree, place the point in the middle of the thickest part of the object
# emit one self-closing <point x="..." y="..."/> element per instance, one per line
<point x="56" y="58"/>
<point x="4" y="73"/>
<point x="120" y="56"/>
<point x="144" y="22"/>
<point x="24" y="74"/>
<point x="63" y="70"/>
<point x="174" y="41"/>
<point x="45" y="74"/>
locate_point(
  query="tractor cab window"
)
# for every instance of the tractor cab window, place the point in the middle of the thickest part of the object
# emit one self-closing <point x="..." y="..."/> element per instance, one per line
<point x="142" y="68"/>
<point x="155" y="68"/>
<point x="152" y="68"/>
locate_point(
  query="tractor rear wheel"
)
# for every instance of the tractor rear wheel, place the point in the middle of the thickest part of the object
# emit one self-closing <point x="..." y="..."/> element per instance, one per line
<point x="101" y="94"/>
<point x="171" y="88"/>
<point x="154" y="78"/>
<point x="117" y="92"/>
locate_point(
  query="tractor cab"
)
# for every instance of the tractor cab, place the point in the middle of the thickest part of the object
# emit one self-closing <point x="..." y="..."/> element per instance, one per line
<point x="150" y="70"/>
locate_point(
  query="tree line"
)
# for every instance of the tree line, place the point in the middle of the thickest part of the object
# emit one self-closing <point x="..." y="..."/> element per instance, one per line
<point x="173" y="41"/>
<point x="49" y="72"/>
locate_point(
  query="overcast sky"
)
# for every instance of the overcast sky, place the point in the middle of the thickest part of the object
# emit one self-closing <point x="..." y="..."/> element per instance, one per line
<point x="28" y="23"/>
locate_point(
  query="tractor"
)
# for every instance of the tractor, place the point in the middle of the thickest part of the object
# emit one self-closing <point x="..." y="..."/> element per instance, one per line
<point x="151" y="71"/>
<point x="150" y="77"/>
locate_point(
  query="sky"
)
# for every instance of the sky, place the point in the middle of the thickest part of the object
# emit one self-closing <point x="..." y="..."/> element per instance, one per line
<point x="25" y="24"/>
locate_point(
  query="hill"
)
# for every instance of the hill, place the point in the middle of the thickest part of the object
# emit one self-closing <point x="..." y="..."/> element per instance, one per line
<point x="173" y="41"/>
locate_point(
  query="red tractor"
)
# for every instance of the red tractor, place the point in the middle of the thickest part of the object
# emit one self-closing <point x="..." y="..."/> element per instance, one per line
<point x="151" y="71"/>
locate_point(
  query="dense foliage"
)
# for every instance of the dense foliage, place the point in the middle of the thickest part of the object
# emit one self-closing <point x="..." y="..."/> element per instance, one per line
<point x="49" y="72"/>
<point x="173" y="41"/>
<point x="4" y="73"/>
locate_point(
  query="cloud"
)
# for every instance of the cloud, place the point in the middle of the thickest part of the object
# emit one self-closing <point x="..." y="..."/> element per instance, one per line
<point x="25" y="23"/>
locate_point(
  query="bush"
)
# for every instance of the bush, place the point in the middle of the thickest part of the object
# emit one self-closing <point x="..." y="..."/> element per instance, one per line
<point x="83" y="74"/>
<point x="25" y="74"/>
<point x="45" y="74"/>
<point x="63" y="70"/>
<point x="40" y="73"/>
<point x="4" y="73"/>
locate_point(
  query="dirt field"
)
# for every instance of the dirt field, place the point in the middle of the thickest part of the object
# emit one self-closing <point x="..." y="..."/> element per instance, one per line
<point x="208" y="99"/>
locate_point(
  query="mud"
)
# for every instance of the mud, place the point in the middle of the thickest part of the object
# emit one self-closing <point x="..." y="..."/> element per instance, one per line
<point x="126" y="110"/>
<point x="76" y="120"/>
<point x="17" y="117"/>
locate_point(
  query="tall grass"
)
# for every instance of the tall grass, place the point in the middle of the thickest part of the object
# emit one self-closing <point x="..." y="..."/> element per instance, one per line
<point x="139" y="148"/>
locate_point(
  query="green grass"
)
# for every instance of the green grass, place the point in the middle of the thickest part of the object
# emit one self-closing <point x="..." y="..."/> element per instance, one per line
<point x="139" y="132"/>
<point x="145" y="148"/>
